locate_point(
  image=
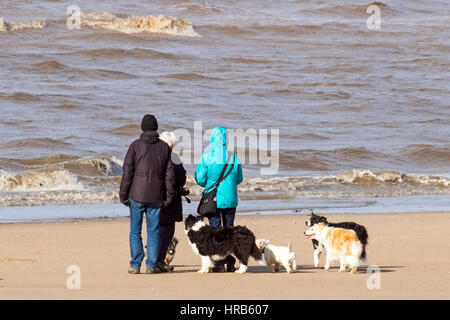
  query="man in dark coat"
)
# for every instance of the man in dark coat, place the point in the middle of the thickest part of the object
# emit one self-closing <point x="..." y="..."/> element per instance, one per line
<point x="174" y="212"/>
<point x="147" y="185"/>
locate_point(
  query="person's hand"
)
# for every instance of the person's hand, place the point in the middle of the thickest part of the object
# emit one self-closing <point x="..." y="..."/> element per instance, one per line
<point x="126" y="203"/>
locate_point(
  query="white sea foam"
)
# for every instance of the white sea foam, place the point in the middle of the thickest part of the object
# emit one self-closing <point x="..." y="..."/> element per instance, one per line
<point x="45" y="180"/>
<point x="97" y="179"/>
<point x="367" y="177"/>
<point x="12" y="26"/>
<point x="152" y="24"/>
<point x="355" y="176"/>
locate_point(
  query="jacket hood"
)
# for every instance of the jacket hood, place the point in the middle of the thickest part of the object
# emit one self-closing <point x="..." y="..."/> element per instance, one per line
<point x="218" y="137"/>
<point x="150" y="137"/>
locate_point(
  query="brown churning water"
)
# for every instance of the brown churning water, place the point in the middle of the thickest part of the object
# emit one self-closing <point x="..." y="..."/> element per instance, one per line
<point x="361" y="113"/>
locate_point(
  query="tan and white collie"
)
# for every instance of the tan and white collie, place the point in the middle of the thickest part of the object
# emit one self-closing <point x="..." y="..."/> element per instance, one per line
<point x="340" y="244"/>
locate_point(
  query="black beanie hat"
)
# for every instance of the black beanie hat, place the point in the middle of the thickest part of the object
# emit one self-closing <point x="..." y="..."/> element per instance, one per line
<point x="149" y="123"/>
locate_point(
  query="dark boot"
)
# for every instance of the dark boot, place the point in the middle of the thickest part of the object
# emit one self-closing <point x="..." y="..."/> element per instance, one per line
<point x="164" y="267"/>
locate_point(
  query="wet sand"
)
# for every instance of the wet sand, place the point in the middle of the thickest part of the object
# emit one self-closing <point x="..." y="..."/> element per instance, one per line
<point x="411" y="250"/>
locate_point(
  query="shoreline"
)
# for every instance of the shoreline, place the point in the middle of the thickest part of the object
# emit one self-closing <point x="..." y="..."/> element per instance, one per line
<point x="303" y="214"/>
<point x="409" y="249"/>
<point x="419" y="203"/>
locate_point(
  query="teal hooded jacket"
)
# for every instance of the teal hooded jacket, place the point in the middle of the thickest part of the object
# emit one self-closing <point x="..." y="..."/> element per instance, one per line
<point x="211" y="165"/>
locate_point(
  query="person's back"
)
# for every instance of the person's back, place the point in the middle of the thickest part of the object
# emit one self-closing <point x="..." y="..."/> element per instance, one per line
<point x="206" y="175"/>
<point x="211" y="165"/>
<point x="147" y="185"/>
<point x="144" y="170"/>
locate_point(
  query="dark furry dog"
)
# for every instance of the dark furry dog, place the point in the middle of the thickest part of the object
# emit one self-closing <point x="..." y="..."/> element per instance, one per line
<point x="360" y="230"/>
<point x="171" y="251"/>
<point x="215" y="244"/>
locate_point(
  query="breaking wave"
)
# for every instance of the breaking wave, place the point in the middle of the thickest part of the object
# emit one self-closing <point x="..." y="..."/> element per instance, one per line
<point x="356" y="178"/>
<point x="368" y="177"/>
<point x="65" y="179"/>
<point x="46" y="180"/>
<point x="131" y="24"/>
<point x="12" y="26"/>
<point x="57" y="198"/>
<point x="105" y="20"/>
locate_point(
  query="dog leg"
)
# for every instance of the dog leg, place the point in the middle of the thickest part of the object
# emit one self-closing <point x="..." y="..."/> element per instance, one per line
<point x="327" y="262"/>
<point x="317" y="253"/>
<point x="206" y="265"/>
<point x="343" y="266"/>
<point x="287" y="267"/>
<point x="294" y="266"/>
<point x="270" y="267"/>
<point x="242" y="268"/>
<point x="353" y="262"/>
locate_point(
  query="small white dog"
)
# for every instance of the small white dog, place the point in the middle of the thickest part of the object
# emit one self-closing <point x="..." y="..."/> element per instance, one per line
<point x="277" y="255"/>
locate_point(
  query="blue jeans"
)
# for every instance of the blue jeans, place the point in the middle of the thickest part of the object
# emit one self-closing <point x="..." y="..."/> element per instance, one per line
<point x="166" y="232"/>
<point x="137" y="211"/>
<point x="226" y="215"/>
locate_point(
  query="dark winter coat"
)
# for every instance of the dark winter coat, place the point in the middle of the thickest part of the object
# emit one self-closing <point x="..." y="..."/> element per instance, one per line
<point x="148" y="172"/>
<point x="174" y="212"/>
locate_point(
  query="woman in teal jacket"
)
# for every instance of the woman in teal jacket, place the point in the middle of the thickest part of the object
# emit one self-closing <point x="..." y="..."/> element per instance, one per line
<point x="208" y="172"/>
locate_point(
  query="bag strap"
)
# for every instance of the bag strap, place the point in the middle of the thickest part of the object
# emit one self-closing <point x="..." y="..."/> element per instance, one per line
<point x="221" y="177"/>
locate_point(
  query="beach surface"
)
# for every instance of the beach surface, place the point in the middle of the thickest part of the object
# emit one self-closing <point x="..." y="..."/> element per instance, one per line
<point x="410" y="249"/>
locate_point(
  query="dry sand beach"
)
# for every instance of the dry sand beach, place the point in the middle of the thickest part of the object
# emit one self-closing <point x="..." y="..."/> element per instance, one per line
<point x="411" y="249"/>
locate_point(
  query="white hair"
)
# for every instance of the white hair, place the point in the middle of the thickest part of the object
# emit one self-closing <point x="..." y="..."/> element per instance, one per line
<point x="168" y="137"/>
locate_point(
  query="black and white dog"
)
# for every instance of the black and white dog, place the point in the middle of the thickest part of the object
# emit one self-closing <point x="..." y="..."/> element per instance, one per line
<point x="215" y="244"/>
<point x="360" y="230"/>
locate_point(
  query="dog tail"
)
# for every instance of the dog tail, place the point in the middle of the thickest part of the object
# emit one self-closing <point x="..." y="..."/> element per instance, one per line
<point x="257" y="255"/>
<point x="361" y="232"/>
<point x="290" y="246"/>
<point x="363" y="252"/>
